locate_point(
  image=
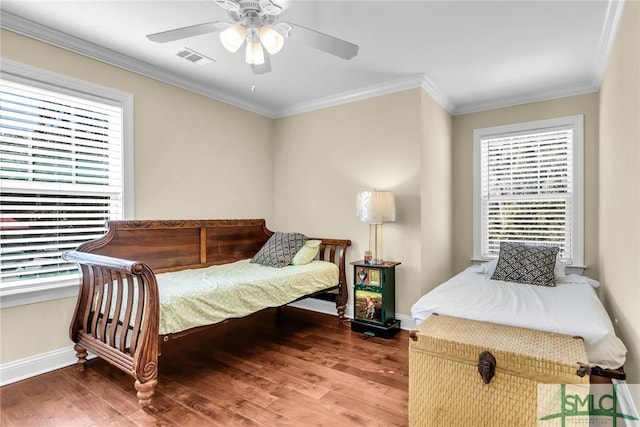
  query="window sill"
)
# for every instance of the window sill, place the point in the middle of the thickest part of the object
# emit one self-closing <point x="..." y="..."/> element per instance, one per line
<point x="20" y="296"/>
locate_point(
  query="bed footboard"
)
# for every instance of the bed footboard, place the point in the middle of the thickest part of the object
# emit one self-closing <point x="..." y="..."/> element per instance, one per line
<point x="117" y="317"/>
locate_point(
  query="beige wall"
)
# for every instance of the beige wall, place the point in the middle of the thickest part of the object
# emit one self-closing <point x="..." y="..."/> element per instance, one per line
<point x="400" y="142"/>
<point x="619" y="260"/>
<point x="463" y="127"/>
<point x="33" y="329"/>
<point x="322" y="159"/>
<point x="194" y="158"/>
<point x="436" y="196"/>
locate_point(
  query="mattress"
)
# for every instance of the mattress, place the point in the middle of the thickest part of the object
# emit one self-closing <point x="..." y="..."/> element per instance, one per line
<point x="205" y="296"/>
<point x="571" y="307"/>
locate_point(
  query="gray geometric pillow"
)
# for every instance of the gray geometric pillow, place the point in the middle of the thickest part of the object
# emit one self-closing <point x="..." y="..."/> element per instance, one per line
<point x="523" y="263"/>
<point x="279" y="249"/>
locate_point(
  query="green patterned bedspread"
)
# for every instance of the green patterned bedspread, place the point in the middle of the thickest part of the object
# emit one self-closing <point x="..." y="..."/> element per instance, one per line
<point x="204" y="296"/>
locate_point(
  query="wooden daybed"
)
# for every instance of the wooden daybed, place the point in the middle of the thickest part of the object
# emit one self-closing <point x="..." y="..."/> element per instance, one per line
<point x="117" y="314"/>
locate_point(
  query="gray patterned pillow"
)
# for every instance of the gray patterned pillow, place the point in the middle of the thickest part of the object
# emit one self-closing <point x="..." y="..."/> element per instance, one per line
<point x="526" y="264"/>
<point x="280" y="249"/>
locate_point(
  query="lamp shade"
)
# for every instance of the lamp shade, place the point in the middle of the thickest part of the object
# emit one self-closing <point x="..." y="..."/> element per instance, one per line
<point x="271" y="39"/>
<point x="254" y="54"/>
<point x="376" y="207"/>
<point x="233" y="37"/>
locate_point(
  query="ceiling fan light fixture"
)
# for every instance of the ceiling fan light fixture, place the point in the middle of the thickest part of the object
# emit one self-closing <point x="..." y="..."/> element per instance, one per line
<point x="269" y="7"/>
<point x="254" y="54"/>
<point x="229" y="5"/>
<point x="254" y="23"/>
<point x="271" y="39"/>
<point x="233" y="37"/>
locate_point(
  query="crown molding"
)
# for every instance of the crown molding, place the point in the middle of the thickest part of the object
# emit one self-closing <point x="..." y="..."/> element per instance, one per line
<point x="39" y="32"/>
<point x="607" y="37"/>
<point x="406" y="83"/>
<point x="65" y="41"/>
<point x="601" y="58"/>
<point x="526" y="98"/>
<point x="62" y="40"/>
<point x="438" y="95"/>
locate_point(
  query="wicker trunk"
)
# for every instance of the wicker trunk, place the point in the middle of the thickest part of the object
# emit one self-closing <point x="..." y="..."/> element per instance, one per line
<point x="446" y="387"/>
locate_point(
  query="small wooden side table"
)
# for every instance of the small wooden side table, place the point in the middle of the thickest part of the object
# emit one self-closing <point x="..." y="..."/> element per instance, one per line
<point x="374" y="299"/>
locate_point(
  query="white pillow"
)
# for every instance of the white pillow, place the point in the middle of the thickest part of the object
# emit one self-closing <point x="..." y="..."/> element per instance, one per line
<point x="486" y="267"/>
<point x="490" y="266"/>
<point x="576" y="278"/>
<point x="559" y="270"/>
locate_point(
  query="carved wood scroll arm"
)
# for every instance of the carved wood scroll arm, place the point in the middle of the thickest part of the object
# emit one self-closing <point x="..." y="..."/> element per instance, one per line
<point x="125" y="266"/>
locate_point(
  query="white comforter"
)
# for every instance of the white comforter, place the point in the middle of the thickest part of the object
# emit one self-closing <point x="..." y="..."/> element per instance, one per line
<point x="571" y="307"/>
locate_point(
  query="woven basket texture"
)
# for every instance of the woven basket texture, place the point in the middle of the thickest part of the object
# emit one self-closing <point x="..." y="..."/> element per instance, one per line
<point x="445" y="388"/>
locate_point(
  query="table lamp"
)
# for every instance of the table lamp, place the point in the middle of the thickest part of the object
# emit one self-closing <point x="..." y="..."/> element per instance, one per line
<point x="376" y="207"/>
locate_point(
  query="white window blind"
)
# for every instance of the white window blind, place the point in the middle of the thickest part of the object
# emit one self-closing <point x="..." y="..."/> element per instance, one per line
<point x="528" y="191"/>
<point x="61" y="172"/>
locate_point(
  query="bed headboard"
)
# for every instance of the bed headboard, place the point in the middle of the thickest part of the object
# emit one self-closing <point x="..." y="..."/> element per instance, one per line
<point x="169" y="245"/>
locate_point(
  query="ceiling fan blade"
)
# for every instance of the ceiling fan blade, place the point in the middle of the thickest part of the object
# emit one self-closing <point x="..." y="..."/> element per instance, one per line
<point x="264" y="68"/>
<point x="324" y="42"/>
<point x="186" y="32"/>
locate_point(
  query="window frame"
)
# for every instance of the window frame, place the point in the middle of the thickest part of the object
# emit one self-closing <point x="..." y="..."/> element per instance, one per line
<point x="576" y="122"/>
<point x="27" y="75"/>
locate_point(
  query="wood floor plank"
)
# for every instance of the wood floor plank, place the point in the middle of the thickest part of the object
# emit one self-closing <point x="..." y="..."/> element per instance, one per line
<point x="79" y="397"/>
<point x="212" y="397"/>
<point x="222" y="388"/>
<point x="327" y="376"/>
<point x="368" y="406"/>
<point x="276" y="368"/>
<point x="339" y="415"/>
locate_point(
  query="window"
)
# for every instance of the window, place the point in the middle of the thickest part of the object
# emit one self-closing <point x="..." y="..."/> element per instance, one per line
<point x="528" y="187"/>
<point x="62" y="175"/>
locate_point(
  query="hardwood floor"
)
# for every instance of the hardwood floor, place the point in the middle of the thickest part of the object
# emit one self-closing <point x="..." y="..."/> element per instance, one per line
<point x="286" y="367"/>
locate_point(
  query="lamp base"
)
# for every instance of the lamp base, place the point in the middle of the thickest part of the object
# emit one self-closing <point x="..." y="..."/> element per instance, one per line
<point x="375" y="243"/>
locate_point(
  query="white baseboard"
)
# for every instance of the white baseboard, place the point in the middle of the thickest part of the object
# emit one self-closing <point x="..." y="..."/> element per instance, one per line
<point x="328" y="307"/>
<point x="46" y="362"/>
<point x="406" y="322"/>
<point x="35" y="365"/>
<point x="321" y="306"/>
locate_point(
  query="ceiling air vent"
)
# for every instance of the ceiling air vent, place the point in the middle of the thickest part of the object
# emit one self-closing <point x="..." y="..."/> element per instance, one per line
<point x="193" y="56"/>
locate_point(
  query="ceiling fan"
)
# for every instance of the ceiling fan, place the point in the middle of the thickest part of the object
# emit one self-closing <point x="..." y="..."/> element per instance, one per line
<point x="254" y="22"/>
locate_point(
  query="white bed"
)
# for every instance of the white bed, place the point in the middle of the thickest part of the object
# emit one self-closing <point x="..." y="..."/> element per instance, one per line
<point x="571" y="307"/>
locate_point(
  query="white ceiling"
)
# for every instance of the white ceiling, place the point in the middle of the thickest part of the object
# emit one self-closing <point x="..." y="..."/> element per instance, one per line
<point x="470" y="55"/>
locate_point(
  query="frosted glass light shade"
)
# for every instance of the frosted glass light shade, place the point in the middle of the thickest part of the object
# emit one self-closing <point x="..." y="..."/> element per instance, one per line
<point x="233" y="37"/>
<point x="254" y="54"/>
<point x="271" y="39"/>
<point x="376" y="207"/>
